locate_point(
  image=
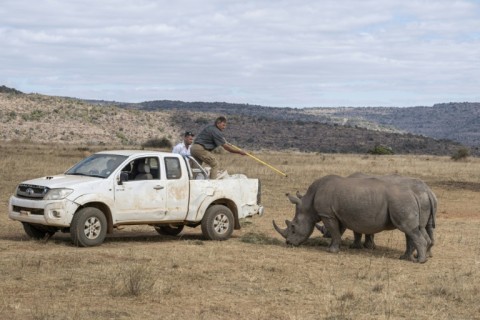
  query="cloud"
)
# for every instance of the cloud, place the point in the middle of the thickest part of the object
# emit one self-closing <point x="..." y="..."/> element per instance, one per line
<point x="277" y="53"/>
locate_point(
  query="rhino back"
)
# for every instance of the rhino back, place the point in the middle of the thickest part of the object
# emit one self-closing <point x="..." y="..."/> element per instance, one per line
<point x="424" y="196"/>
<point x="360" y="204"/>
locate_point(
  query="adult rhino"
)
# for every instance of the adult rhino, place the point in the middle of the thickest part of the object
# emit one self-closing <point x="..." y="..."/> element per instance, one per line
<point x="428" y="208"/>
<point x="364" y="205"/>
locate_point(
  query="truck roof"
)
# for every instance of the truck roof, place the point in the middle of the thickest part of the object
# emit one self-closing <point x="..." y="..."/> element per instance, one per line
<point x="136" y="152"/>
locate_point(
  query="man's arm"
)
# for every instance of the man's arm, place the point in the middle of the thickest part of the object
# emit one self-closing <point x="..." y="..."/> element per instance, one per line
<point x="233" y="150"/>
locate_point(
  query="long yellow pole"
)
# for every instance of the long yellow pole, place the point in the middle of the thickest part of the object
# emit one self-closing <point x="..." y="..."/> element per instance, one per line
<point x="261" y="161"/>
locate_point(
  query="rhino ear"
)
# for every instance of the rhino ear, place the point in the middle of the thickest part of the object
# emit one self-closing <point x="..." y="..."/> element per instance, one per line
<point x="294" y="199"/>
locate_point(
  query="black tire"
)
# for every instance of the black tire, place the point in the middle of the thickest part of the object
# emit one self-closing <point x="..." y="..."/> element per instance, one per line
<point x="169" y="230"/>
<point x="218" y="223"/>
<point x="35" y="232"/>
<point x="88" y="228"/>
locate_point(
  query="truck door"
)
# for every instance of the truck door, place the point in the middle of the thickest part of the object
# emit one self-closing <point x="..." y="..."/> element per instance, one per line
<point x="178" y="189"/>
<point x="143" y="197"/>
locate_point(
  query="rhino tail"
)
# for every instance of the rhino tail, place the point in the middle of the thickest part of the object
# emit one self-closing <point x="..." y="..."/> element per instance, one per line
<point x="433" y="208"/>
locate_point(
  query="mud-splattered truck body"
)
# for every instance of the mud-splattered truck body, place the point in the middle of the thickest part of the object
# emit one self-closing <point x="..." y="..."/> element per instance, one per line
<point x="114" y="188"/>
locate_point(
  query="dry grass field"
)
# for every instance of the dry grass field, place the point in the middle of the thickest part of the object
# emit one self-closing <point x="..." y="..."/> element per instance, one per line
<point x="138" y="274"/>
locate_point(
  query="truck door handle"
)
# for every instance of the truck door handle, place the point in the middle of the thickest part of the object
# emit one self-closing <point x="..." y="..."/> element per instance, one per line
<point x="158" y="187"/>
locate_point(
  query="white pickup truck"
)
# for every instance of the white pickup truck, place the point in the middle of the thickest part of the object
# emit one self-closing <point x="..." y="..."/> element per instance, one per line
<point x="114" y="188"/>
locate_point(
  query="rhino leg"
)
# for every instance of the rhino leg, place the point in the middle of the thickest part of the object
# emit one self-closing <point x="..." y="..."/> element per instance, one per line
<point x="335" y="230"/>
<point x="410" y="250"/>
<point x="369" y="241"/>
<point x="408" y="254"/>
<point x="357" y="242"/>
<point x="429" y="241"/>
<point x="420" y="244"/>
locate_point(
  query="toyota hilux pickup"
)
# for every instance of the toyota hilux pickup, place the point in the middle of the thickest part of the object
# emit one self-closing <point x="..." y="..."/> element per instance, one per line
<point x="110" y="189"/>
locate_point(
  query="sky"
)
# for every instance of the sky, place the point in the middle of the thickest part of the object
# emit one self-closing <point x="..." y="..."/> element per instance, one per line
<point x="303" y="53"/>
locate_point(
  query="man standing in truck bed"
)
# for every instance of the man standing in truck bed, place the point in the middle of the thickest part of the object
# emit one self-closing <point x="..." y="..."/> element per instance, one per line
<point x="208" y="139"/>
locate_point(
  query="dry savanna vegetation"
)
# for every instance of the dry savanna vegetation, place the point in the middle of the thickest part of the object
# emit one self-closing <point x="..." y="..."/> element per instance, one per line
<point x="138" y="274"/>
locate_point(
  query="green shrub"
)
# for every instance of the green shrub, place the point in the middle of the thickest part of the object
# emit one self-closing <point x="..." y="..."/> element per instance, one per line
<point x="381" y="150"/>
<point x="122" y="137"/>
<point x="461" y="154"/>
<point x="35" y="115"/>
<point x="158" y="143"/>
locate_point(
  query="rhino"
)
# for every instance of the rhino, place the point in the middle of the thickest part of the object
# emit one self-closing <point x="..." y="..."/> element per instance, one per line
<point x="428" y="208"/>
<point x="365" y="205"/>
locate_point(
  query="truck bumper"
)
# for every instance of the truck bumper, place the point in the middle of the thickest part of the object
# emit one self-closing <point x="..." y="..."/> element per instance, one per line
<point x="261" y="210"/>
<point x="57" y="213"/>
<point x="252" y="210"/>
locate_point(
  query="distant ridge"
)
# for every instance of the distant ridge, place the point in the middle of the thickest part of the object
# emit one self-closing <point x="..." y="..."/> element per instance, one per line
<point x="458" y="122"/>
<point x="4" y="89"/>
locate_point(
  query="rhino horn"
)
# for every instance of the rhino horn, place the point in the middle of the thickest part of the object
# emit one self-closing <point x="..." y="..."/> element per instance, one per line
<point x="299" y="195"/>
<point x="294" y="200"/>
<point x="283" y="232"/>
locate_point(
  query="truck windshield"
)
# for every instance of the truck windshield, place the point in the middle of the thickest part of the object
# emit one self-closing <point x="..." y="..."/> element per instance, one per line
<point x="97" y="165"/>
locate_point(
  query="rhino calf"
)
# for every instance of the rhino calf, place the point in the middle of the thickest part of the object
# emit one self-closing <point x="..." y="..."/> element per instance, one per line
<point x="364" y="205"/>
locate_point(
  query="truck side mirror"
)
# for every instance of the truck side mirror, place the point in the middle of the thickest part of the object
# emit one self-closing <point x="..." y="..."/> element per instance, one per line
<point x="123" y="177"/>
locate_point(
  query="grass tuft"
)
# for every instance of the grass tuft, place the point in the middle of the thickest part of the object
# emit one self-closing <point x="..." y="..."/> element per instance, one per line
<point x="133" y="281"/>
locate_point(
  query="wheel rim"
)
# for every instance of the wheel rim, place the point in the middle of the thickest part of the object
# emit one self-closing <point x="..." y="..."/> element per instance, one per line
<point x="92" y="228"/>
<point x="221" y="223"/>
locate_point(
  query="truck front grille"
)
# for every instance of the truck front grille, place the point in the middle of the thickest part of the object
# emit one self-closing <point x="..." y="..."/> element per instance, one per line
<point x="31" y="191"/>
<point x="35" y="211"/>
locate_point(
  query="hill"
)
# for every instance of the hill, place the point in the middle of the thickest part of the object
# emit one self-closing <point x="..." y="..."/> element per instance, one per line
<point x="40" y="118"/>
<point x="455" y="121"/>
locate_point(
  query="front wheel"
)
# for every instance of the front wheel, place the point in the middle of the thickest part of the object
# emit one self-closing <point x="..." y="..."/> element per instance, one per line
<point x="218" y="223"/>
<point x="89" y="227"/>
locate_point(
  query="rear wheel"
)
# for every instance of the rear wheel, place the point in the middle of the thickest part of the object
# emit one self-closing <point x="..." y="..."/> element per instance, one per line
<point x="89" y="227"/>
<point x="169" y="230"/>
<point x="218" y="223"/>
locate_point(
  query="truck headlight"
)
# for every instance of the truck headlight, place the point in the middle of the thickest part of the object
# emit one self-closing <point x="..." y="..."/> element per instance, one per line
<point x="57" y="194"/>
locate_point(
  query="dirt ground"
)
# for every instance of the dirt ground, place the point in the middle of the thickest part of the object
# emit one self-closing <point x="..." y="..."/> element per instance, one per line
<point x="138" y="274"/>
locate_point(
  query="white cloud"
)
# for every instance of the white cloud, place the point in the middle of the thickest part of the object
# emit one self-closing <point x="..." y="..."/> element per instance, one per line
<point x="279" y="53"/>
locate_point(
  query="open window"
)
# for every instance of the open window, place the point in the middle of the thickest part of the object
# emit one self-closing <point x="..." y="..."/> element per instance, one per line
<point x="146" y="168"/>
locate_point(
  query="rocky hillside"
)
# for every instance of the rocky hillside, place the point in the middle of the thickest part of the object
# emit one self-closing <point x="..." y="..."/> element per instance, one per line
<point x="453" y="121"/>
<point x="40" y="118"/>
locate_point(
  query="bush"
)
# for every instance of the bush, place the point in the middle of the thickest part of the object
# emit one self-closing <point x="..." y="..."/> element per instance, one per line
<point x="158" y="143"/>
<point x="461" y="154"/>
<point x="381" y="150"/>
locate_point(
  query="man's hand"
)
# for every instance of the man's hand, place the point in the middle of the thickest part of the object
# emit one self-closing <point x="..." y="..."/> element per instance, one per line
<point x="231" y="149"/>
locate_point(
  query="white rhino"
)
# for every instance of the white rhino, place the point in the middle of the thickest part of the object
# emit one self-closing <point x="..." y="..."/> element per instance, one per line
<point x="364" y="205"/>
<point x="428" y="209"/>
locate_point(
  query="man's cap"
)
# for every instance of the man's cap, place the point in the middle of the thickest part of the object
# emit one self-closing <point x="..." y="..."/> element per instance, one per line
<point x="188" y="133"/>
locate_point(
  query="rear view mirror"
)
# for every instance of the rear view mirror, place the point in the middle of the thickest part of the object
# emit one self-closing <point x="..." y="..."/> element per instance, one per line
<point x="123" y="177"/>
